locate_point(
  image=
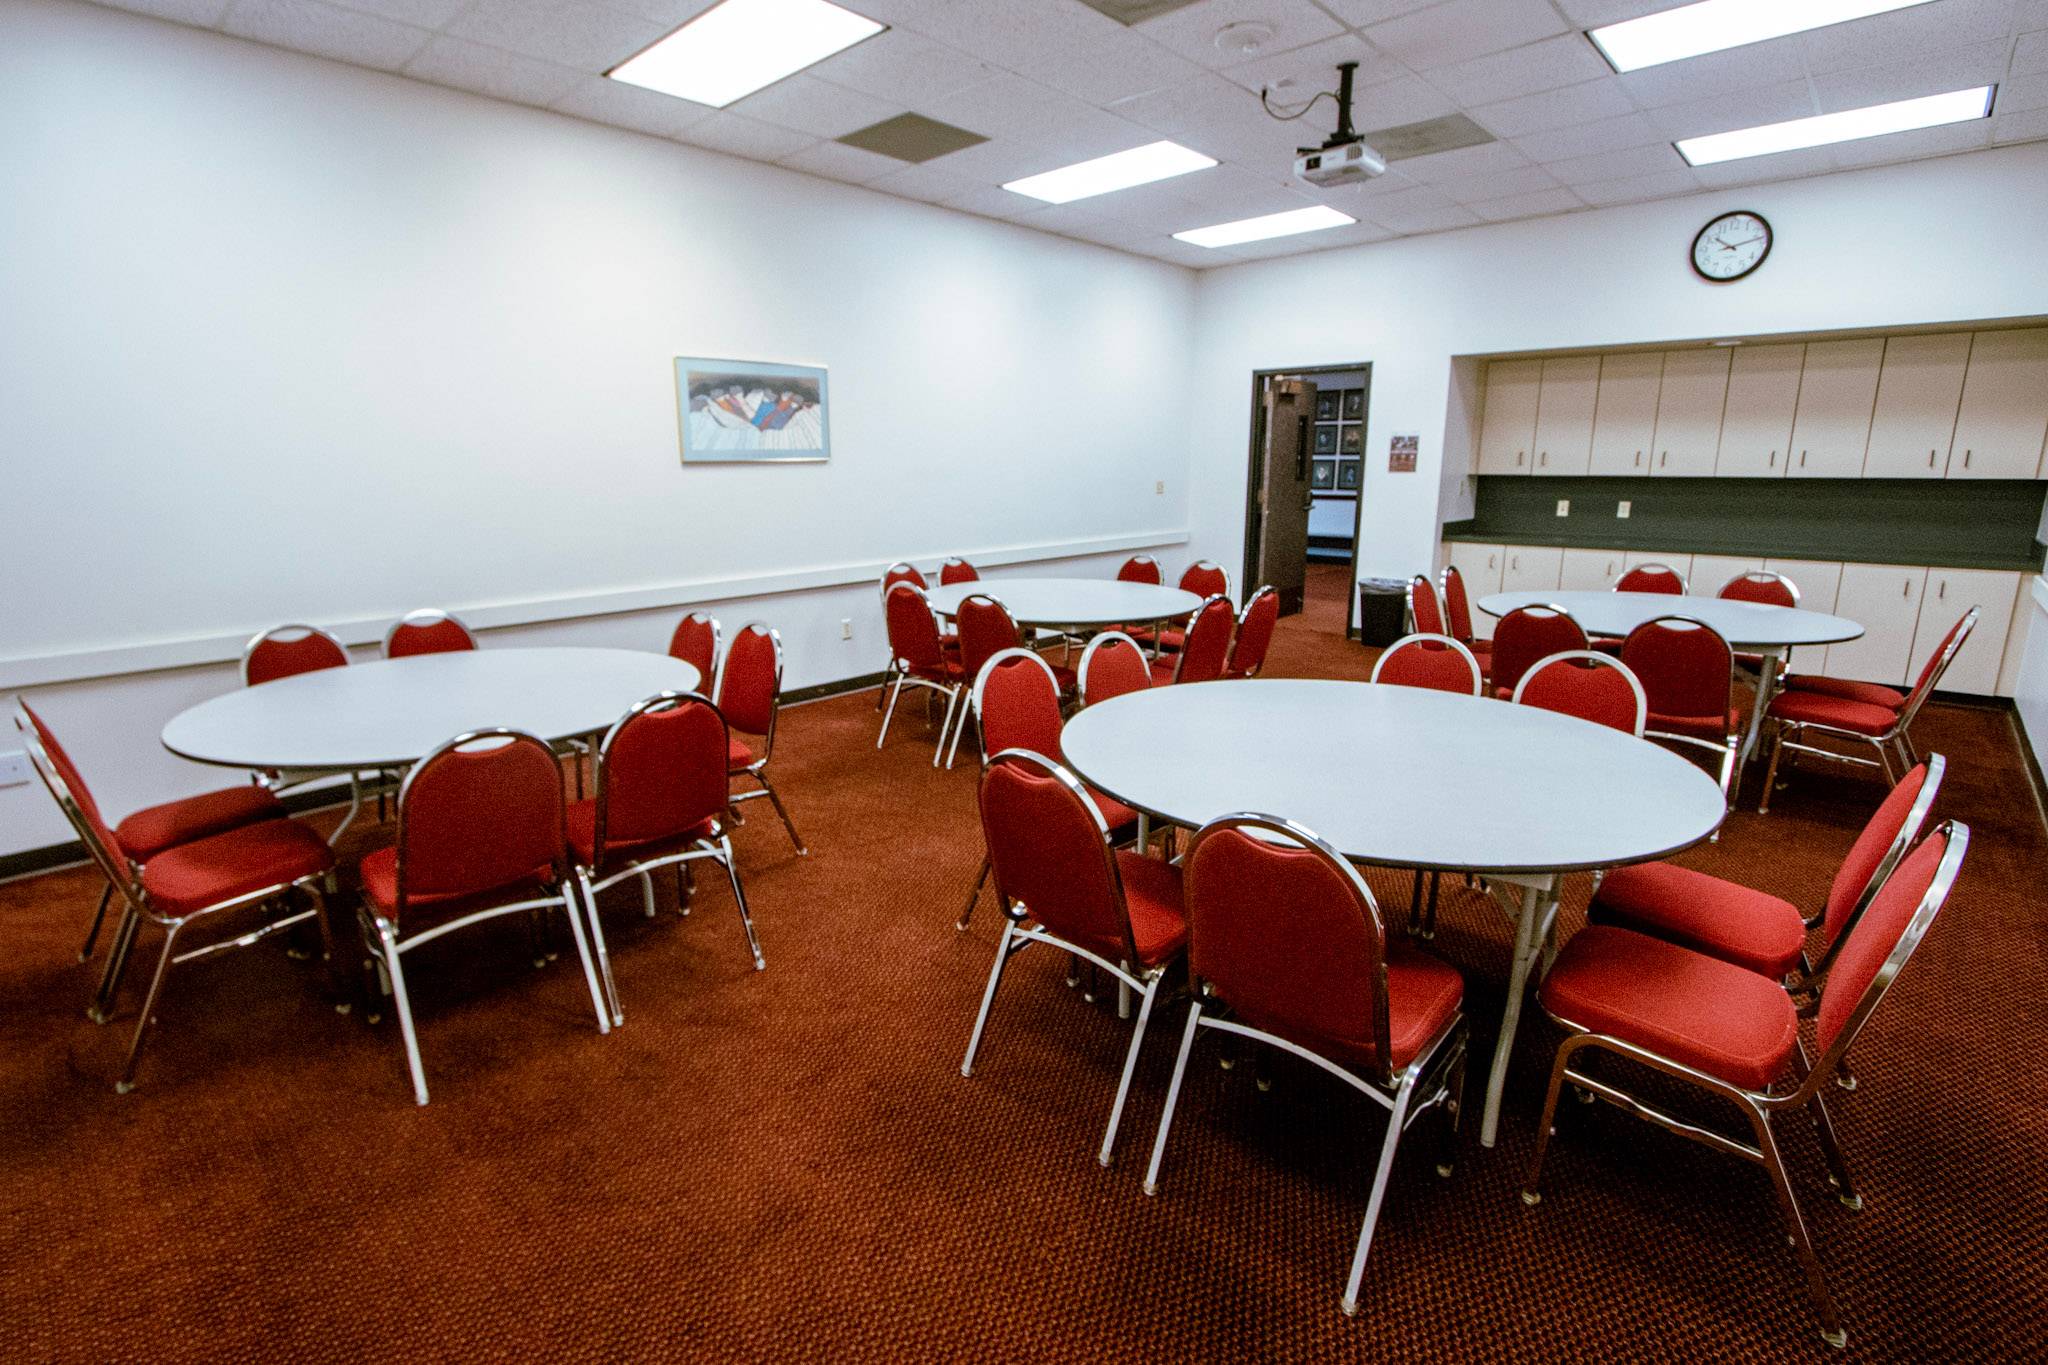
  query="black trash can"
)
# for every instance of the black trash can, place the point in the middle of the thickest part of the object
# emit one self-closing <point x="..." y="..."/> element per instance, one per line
<point x="1382" y="610"/>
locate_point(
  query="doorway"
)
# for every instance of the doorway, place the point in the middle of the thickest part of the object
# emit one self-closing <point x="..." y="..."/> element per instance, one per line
<point x="1304" y="485"/>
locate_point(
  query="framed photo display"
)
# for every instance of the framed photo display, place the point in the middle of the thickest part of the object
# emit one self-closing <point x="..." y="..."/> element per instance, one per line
<point x="751" y="412"/>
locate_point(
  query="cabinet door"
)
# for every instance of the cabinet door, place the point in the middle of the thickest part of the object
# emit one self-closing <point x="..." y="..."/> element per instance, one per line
<point x="1837" y="393"/>
<point x="1709" y="572"/>
<point x="1589" y="570"/>
<point x="1950" y="593"/>
<point x="2003" y="421"/>
<point x="1479" y="566"/>
<point x="1625" y="416"/>
<point x="1885" y="600"/>
<point x="1689" y="404"/>
<point x="1763" y="394"/>
<point x="1507" y="430"/>
<point x="1817" y="581"/>
<point x="1564" y="414"/>
<point x="1918" y="389"/>
<point x="1532" y="566"/>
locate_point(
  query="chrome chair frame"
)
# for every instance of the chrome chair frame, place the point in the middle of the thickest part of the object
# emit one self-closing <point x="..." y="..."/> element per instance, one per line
<point x="973" y="574"/>
<point x="1435" y="1077"/>
<point x="260" y="637"/>
<point x="1180" y="656"/>
<point x="1591" y="656"/>
<point x="1443" y="593"/>
<point x="972" y="694"/>
<point x="1810" y="1078"/>
<point x="951" y="691"/>
<point x="758" y="769"/>
<point x="1760" y="575"/>
<point x="883" y="586"/>
<point x="1896" y="742"/>
<point x="707" y="686"/>
<point x="1107" y="637"/>
<point x="1732" y="746"/>
<point x="424" y="616"/>
<point x="1158" y="574"/>
<point x="280" y="782"/>
<point x="1683" y="586"/>
<point x="1408" y="604"/>
<point x="1237" y="633"/>
<point x="1426" y="637"/>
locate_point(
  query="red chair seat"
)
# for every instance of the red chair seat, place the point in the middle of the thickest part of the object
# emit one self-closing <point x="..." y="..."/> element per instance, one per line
<point x="1152" y="890"/>
<point x="191" y="877"/>
<point x="1162" y="671"/>
<point x="738" y="755"/>
<point x="1870" y="694"/>
<point x="1818" y="708"/>
<point x="1719" y="918"/>
<point x="1696" y="1010"/>
<point x="1715" y="728"/>
<point x="378" y="873"/>
<point x="1115" y="813"/>
<point x="947" y="671"/>
<point x="154" y="829"/>
<point x="1423" y="993"/>
<point x="579" y="820"/>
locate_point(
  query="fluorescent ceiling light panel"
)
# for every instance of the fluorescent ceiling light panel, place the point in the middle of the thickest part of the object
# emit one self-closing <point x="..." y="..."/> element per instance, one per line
<point x="1313" y="219"/>
<point x="1117" y="171"/>
<point x="1929" y="111"/>
<point x="741" y="46"/>
<point x="1716" y="25"/>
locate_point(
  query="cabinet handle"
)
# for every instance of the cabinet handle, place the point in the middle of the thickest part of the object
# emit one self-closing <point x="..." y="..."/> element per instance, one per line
<point x="1639" y="458"/>
<point x="1490" y="560"/>
<point x="1515" y="563"/>
<point x="1966" y="459"/>
<point x="1930" y="459"/>
<point x="1941" y="593"/>
<point x="1906" y="588"/>
<point x="1773" y="461"/>
<point x="1518" y="456"/>
<point x="1543" y="457"/>
<point x="1665" y="463"/>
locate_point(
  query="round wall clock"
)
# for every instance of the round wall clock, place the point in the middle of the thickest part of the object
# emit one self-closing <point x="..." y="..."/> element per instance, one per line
<point x="1731" y="246"/>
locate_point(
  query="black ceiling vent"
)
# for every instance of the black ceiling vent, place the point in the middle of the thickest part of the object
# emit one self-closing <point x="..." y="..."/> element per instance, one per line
<point x="911" y="137"/>
<point x="1445" y="134"/>
<point x="1128" y="12"/>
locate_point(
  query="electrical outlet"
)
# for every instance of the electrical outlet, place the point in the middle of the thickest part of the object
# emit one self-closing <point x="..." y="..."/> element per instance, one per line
<point x="1621" y="510"/>
<point x="1159" y="486"/>
<point x="1564" y="507"/>
<point x="13" y="768"/>
<point x="846" y="628"/>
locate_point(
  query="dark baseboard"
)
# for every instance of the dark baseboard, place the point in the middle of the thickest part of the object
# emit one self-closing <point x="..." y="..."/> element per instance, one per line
<point x="819" y="691"/>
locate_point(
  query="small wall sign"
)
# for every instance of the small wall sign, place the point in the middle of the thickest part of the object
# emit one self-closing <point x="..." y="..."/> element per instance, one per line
<point x="1402" y="447"/>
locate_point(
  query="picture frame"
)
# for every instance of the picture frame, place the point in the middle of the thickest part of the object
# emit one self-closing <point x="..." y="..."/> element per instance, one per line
<point x="1324" y="475"/>
<point x="1348" y="475"/>
<point x="1351" y="441"/>
<point x="752" y="412"/>
<point x="1326" y="440"/>
<point x="1326" y="407"/>
<point x="1354" y="404"/>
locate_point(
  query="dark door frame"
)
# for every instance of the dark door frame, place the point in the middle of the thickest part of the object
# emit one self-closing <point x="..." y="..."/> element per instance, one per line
<point x="1255" y="471"/>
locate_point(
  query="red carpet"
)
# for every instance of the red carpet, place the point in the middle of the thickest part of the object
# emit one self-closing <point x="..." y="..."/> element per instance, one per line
<point x="789" y="1164"/>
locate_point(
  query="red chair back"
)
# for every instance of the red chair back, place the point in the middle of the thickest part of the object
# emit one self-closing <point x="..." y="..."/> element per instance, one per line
<point x="1651" y="578"/>
<point x="1587" y="684"/>
<point x="1017" y="700"/>
<point x="428" y="631"/>
<point x="1686" y="668"/>
<point x="1761" y="585"/>
<point x="986" y="630"/>
<point x="1112" y="665"/>
<point x="1457" y="607"/>
<point x="1254" y="634"/>
<point x="957" y="571"/>
<point x="283" y="651"/>
<point x="1139" y="569"/>
<point x="750" y="683"/>
<point x="1527" y="635"/>
<point x="1206" y="578"/>
<point x="1425" y="612"/>
<point x="1435" y="662"/>
<point x="1877" y="850"/>
<point x="902" y="573"/>
<point x="1048" y="848"/>
<point x="1937" y="664"/>
<point x="913" y="631"/>
<point x="67" y="786"/>
<point x="661" y="771"/>
<point x="1206" y="649"/>
<point x="1288" y="934"/>
<point x="1885" y="935"/>
<point x="695" y="642"/>
<point x="481" y="813"/>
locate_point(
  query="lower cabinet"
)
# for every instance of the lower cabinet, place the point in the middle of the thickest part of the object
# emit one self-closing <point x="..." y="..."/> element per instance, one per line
<point x="1531" y="566"/>
<point x="1885" y="600"/>
<point x="1589" y="570"/>
<point x="1478" y="565"/>
<point x="1948" y="594"/>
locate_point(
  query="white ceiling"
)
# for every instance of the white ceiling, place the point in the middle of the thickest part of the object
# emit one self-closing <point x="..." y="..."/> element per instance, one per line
<point x="1051" y="82"/>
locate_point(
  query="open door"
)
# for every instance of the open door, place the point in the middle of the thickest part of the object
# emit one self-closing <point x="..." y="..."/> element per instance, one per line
<point x="1280" y="480"/>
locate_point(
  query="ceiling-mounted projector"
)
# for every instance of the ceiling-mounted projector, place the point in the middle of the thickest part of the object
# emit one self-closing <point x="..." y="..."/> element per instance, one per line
<point x="1344" y="159"/>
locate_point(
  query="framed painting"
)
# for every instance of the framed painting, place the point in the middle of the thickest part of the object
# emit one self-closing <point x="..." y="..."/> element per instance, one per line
<point x="749" y="412"/>
<point x="1347" y="475"/>
<point x="1326" y="440"/>
<point x="1323" y="475"/>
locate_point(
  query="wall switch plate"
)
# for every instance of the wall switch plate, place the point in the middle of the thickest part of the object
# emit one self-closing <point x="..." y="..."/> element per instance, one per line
<point x="1621" y="509"/>
<point x="1564" y="507"/>
<point x="1159" y="486"/>
<point x="13" y="768"/>
<point x="846" y="628"/>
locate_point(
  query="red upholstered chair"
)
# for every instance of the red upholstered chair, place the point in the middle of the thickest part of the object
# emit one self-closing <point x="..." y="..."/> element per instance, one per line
<point x="1287" y="946"/>
<point x="1735" y="1034"/>
<point x="1111" y="665"/>
<point x="1254" y="634"/>
<point x="917" y="658"/>
<point x="1525" y="637"/>
<point x="155" y="829"/>
<point x="1857" y="713"/>
<point x="1425" y="608"/>
<point x="283" y="651"/>
<point x="1205" y="579"/>
<point x="986" y="630"/>
<point x="958" y="571"/>
<point x="1761" y="585"/>
<point x="902" y="572"/>
<point x="661" y="802"/>
<point x="1060" y="883"/>
<point x="1139" y="569"/>
<point x="1206" y="646"/>
<point x="1688" y="675"/>
<point x="750" y="698"/>
<point x="480" y="836"/>
<point x="427" y="631"/>
<point x="1458" y="615"/>
<point x="1751" y="929"/>
<point x="1587" y="684"/>
<point x="1435" y="662"/>
<point x="695" y="642"/>
<point x="262" y="871"/>
<point x="1651" y="578"/>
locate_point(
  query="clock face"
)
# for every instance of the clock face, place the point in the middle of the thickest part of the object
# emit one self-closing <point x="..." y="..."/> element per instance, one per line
<point x="1731" y="246"/>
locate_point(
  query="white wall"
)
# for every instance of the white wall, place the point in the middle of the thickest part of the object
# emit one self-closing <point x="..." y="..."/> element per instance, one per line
<point x="1956" y="239"/>
<point x="282" y="339"/>
<point x="2030" y="691"/>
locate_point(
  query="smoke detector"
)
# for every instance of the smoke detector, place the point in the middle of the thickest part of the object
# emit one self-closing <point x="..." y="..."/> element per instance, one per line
<point x="1244" y="39"/>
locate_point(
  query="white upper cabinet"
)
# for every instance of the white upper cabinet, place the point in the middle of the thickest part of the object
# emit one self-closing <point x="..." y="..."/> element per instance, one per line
<point x="1689" y="404"/>
<point x="1564" y="414"/>
<point x="1507" y="433"/>
<point x="1763" y="393"/>
<point x="2004" y="418"/>
<point x="1918" y="390"/>
<point x="1837" y="394"/>
<point x="1625" y="417"/>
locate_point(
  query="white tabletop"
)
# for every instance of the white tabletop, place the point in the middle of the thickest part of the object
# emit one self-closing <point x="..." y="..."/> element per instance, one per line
<point x="1398" y="776"/>
<point x="389" y="713"/>
<point x="1742" y="624"/>
<point x="1071" y="601"/>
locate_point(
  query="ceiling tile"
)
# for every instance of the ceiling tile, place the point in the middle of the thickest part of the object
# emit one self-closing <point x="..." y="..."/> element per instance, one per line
<point x="1460" y="30"/>
<point x="1905" y="35"/>
<point x="1423" y="209"/>
<point x="1471" y="189"/>
<point x="630" y="106"/>
<point x="1110" y="68"/>
<point x="2023" y="93"/>
<point x="1295" y="76"/>
<point x="2030" y="15"/>
<point x="1716" y="73"/>
<point x="724" y="131"/>
<point x="991" y="202"/>
<point x="1546" y="65"/>
<point x="2030" y="54"/>
<point x="1011" y="34"/>
<point x="1359" y="13"/>
<point x="1583" y="103"/>
<point x="1629" y="130"/>
<point x="670" y="14"/>
<point x="1527" y="205"/>
<point x="1950" y="69"/>
<point x="1944" y="141"/>
<point x="1626" y="162"/>
<point x="1192" y="32"/>
<point x="1738" y="109"/>
<point x="837" y="161"/>
<point x="922" y="182"/>
<point x="199" y="13"/>
<point x="2026" y="126"/>
<point x="811" y="106"/>
<point x="1756" y="169"/>
<point x="420" y="13"/>
<point x="492" y="71"/>
<point x="899" y="64"/>
<point x="1389" y="104"/>
<point x="1636" y="189"/>
<point x="1594" y="13"/>
<point x="1464" y="162"/>
<point x="325" y="31"/>
<point x="567" y="32"/>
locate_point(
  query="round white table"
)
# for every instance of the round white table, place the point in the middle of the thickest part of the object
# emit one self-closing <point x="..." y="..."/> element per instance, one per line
<point x="1081" y="603"/>
<point x="1405" y="777"/>
<point x="1752" y="627"/>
